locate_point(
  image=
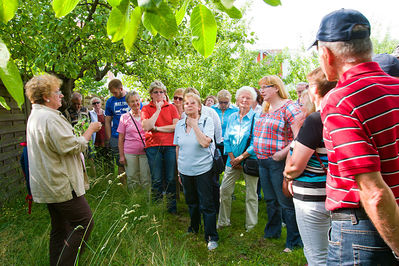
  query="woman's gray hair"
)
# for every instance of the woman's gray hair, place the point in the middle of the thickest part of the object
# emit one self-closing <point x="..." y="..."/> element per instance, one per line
<point x="95" y="99"/>
<point x="222" y="94"/>
<point x="156" y="85"/>
<point x="131" y="94"/>
<point x="248" y="89"/>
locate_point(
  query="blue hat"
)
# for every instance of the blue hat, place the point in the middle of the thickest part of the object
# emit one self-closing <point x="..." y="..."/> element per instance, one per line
<point x="338" y="26"/>
<point x="388" y="63"/>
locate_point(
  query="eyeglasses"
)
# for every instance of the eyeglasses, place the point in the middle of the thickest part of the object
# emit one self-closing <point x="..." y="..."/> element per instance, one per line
<point x="158" y="92"/>
<point x="266" y="86"/>
<point x="58" y="92"/>
<point x="96" y="103"/>
<point x="220" y="102"/>
<point x="178" y="98"/>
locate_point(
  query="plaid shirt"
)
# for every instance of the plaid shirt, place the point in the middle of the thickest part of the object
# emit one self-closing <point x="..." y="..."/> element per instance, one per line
<point x="273" y="130"/>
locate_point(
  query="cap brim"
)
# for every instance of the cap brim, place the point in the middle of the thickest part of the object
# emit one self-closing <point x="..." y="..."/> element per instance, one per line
<point x="314" y="44"/>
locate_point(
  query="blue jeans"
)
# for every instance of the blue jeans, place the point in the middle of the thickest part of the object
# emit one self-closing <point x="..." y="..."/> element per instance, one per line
<point x="199" y="198"/>
<point x="162" y="162"/>
<point x="278" y="206"/>
<point x="357" y="244"/>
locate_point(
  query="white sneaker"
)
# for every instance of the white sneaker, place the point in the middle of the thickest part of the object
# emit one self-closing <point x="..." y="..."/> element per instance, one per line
<point x="212" y="245"/>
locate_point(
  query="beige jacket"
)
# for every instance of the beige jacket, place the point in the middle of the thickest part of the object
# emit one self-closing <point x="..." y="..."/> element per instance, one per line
<point x="55" y="165"/>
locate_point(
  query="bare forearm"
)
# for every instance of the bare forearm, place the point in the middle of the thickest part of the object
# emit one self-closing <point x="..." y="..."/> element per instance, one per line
<point x="380" y="205"/>
<point x="87" y="134"/>
<point x="121" y="142"/>
<point x="166" y="129"/>
<point x="107" y="126"/>
<point x="202" y="139"/>
<point x="149" y="124"/>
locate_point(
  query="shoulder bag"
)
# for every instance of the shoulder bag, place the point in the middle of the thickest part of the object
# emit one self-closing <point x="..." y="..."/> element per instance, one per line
<point x="250" y="165"/>
<point x="217" y="164"/>
<point x="138" y="131"/>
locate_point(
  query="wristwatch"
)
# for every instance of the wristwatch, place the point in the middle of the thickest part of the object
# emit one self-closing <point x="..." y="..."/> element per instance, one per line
<point x="396" y="256"/>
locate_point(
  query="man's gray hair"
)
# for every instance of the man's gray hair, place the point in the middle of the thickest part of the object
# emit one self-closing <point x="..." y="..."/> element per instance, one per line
<point x="351" y="51"/>
<point x="248" y="89"/>
<point x="76" y="95"/>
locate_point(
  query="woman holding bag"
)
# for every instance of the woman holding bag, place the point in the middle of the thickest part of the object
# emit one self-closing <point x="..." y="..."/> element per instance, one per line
<point x="131" y="145"/>
<point x="236" y="146"/>
<point x="273" y="134"/>
<point x="194" y="149"/>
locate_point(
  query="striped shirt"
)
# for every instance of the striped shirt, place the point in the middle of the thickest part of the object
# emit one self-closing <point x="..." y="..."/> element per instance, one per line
<point x="273" y="132"/>
<point x="311" y="184"/>
<point x="361" y="132"/>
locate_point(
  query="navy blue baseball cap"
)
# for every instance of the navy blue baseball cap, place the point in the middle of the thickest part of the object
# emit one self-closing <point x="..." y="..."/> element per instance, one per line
<point x="338" y="26"/>
<point x="388" y="63"/>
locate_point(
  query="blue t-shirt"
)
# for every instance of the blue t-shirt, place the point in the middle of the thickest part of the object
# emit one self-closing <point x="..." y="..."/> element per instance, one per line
<point x="224" y="117"/>
<point x="193" y="159"/>
<point x="116" y="107"/>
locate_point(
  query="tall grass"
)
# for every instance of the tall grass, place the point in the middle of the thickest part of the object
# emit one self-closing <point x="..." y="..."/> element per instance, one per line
<point x="130" y="230"/>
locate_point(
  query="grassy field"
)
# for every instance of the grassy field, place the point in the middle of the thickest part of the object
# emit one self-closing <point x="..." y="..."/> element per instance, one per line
<point x="129" y="230"/>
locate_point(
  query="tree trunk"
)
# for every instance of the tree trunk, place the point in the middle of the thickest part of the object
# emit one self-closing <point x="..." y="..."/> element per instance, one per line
<point x="68" y="84"/>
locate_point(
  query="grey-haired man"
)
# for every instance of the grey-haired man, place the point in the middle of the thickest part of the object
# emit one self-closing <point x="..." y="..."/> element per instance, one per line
<point x="361" y="135"/>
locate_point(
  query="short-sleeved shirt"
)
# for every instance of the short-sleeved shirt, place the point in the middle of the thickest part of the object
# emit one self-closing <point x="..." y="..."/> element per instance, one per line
<point x="166" y="116"/>
<point x="311" y="184"/>
<point x="116" y="107"/>
<point x="194" y="159"/>
<point x="237" y="135"/>
<point x="361" y="132"/>
<point x="273" y="132"/>
<point x="224" y="116"/>
<point x="133" y="143"/>
<point x="208" y="111"/>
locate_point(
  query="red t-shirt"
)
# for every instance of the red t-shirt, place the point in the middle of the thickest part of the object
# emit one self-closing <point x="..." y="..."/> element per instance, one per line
<point x="165" y="118"/>
<point x="100" y="136"/>
<point x="361" y="132"/>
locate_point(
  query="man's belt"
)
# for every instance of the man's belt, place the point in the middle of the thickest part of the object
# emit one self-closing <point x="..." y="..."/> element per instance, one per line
<point x="349" y="214"/>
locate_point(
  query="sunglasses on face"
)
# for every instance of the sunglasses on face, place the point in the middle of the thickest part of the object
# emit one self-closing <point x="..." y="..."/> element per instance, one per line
<point x="158" y="92"/>
<point x="96" y="103"/>
<point x="178" y="98"/>
<point x="223" y="102"/>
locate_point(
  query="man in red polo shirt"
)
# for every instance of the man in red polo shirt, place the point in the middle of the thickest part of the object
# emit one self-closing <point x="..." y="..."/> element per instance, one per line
<point x="361" y="134"/>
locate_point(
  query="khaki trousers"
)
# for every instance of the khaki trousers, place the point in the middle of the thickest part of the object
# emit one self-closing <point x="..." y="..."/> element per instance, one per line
<point x="251" y="199"/>
<point x="137" y="171"/>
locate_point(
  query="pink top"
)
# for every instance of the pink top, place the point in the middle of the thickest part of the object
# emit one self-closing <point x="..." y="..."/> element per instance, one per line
<point x="133" y="143"/>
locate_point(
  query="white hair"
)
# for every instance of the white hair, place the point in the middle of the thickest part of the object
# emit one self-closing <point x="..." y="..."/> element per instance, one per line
<point x="248" y="89"/>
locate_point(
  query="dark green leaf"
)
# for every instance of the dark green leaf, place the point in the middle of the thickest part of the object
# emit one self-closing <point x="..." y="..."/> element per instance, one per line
<point x="118" y="21"/>
<point x="182" y="11"/>
<point x="133" y="27"/>
<point x="203" y="28"/>
<point x="145" y="19"/>
<point x="162" y="20"/>
<point x="63" y="7"/>
<point x="4" y="103"/>
<point x="11" y="78"/>
<point x="7" y="9"/>
<point x="273" y="2"/>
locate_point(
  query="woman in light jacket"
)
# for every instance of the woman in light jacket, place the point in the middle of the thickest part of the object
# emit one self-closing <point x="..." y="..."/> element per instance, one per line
<point x="56" y="169"/>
